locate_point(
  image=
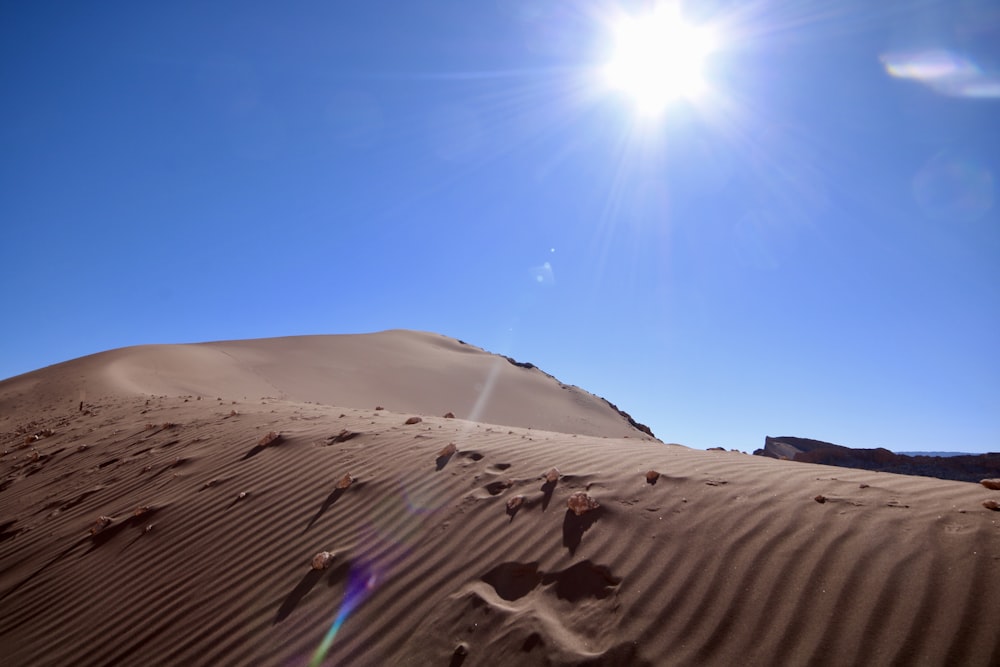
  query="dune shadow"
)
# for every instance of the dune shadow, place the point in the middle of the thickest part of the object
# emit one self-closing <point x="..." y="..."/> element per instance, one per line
<point x="547" y="489"/>
<point x="339" y="573"/>
<point x="575" y="526"/>
<point x="330" y="500"/>
<point x="37" y="572"/>
<point x="442" y="460"/>
<point x="299" y="592"/>
<point x="254" y="451"/>
<point x="8" y="534"/>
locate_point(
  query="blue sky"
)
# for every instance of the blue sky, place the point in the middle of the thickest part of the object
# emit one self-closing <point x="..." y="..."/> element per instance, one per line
<point x="812" y="248"/>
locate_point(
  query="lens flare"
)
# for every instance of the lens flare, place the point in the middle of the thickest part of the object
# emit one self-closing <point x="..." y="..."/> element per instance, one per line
<point x="944" y="72"/>
<point x="360" y="583"/>
<point x="486" y="391"/>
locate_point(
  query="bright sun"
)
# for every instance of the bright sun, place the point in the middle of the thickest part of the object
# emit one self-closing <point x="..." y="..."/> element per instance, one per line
<point x="659" y="58"/>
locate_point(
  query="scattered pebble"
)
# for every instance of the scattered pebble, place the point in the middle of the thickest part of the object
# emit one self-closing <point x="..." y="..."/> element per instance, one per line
<point x="820" y="498"/>
<point x="862" y="486"/>
<point x="652" y="476"/>
<point x="242" y="495"/>
<point x="580" y="503"/>
<point x="379" y="407"/>
<point x="552" y="476"/>
<point x="991" y="505"/>
<point x="413" y="420"/>
<point x="322" y="560"/>
<point x="343" y="436"/>
<point x="345" y="481"/>
<point x="993" y="484"/>
<point x="101" y="523"/>
<point x="448" y="451"/>
<point x="449" y="415"/>
<point x="514" y="502"/>
<point x="272" y="438"/>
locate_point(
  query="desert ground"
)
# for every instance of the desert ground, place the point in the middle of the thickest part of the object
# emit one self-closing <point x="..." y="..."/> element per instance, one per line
<point x="404" y="498"/>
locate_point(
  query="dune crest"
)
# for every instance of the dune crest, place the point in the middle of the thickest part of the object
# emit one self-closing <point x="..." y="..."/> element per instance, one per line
<point x="399" y="370"/>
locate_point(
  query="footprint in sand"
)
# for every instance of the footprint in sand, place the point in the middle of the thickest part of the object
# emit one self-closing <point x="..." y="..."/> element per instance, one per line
<point x="513" y="581"/>
<point x="499" y="486"/>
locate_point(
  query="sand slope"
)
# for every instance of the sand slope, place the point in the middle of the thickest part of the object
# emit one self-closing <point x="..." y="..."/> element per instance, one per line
<point x="407" y="371"/>
<point x="726" y="559"/>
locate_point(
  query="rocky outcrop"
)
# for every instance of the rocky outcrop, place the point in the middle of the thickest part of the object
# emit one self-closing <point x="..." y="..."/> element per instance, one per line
<point x="632" y="422"/>
<point x="963" y="468"/>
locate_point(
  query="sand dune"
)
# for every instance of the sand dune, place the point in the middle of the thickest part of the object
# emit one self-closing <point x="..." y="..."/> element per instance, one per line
<point x="406" y="371"/>
<point x="173" y="530"/>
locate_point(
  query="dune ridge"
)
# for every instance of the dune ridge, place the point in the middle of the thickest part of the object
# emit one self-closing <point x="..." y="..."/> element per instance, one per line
<point x="204" y="554"/>
<point x="407" y="371"/>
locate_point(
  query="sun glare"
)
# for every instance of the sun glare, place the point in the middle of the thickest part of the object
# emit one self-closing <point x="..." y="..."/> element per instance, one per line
<point x="659" y="58"/>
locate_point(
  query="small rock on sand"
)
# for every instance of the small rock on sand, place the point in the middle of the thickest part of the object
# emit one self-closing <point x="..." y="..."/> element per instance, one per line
<point x="552" y="475"/>
<point x="514" y="502"/>
<point x="449" y="415"/>
<point x="322" y="560"/>
<point x="345" y="481"/>
<point x="448" y="451"/>
<point x="991" y="484"/>
<point x="652" y="476"/>
<point x="271" y="438"/>
<point x="991" y="505"/>
<point x="101" y="523"/>
<point x="820" y="498"/>
<point x="580" y="503"/>
<point x="413" y="420"/>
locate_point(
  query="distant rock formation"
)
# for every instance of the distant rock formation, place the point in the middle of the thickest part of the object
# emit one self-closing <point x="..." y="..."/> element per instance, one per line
<point x="962" y="468"/>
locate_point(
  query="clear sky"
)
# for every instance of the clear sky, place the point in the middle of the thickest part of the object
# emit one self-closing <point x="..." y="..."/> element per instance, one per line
<point x="809" y="245"/>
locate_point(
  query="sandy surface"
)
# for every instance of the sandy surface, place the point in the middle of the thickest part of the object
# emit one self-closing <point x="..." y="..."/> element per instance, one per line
<point x="156" y="527"/>
<point x="405" y="371"/>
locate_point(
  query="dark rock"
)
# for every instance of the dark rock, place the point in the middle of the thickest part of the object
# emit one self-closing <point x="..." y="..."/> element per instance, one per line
<point x="963" y="468"/>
